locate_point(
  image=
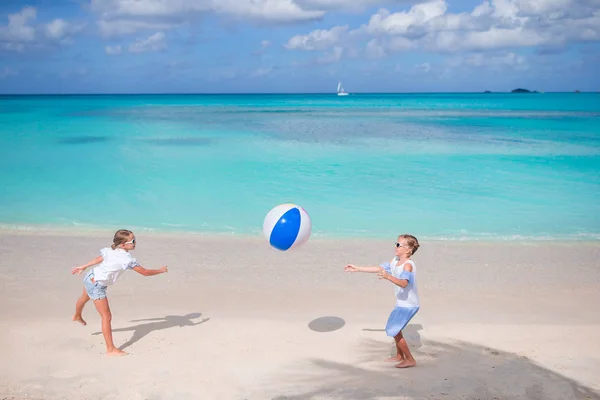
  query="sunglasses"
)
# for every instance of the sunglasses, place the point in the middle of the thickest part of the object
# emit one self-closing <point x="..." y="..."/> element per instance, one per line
<point x="132" y="241"/>
<point x="399" y="245"/>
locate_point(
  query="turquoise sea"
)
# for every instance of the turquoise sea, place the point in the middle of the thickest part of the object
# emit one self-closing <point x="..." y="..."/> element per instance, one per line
<point x="440" y="166"/>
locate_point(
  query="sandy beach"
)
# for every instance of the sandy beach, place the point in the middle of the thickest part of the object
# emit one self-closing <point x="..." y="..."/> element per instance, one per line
<point x="235" y="319"/>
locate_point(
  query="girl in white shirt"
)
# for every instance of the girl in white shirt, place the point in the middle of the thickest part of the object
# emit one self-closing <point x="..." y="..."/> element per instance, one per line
<point x="110" y="264"/>
<point x="401" y="271"/>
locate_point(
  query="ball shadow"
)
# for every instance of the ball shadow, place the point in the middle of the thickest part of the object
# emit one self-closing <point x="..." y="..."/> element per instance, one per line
<point x="326" y="324"/>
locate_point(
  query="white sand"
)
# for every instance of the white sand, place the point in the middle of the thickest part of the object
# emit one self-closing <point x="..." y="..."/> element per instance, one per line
<point x="497" y="321"/>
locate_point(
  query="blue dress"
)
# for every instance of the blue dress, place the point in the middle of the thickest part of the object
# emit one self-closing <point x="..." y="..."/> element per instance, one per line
<point x="407" y="299"/>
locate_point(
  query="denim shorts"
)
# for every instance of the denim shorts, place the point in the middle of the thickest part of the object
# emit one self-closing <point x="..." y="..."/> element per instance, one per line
<point x="95" y="290"/>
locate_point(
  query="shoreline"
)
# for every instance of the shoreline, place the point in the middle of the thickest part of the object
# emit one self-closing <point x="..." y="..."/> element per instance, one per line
<point x="96" y="231"/>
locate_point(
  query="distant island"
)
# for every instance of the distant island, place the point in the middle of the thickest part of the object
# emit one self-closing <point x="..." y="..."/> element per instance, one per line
<point x="487" y="91"/>
<point x="519" y="90"/>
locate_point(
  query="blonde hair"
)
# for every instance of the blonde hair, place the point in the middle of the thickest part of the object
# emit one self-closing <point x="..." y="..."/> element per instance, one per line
<point x="411" y="242"/>
<point x="121" y="236"/>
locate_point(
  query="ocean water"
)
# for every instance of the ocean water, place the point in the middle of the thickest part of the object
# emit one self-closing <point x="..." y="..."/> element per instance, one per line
<point x="439" y="166"/>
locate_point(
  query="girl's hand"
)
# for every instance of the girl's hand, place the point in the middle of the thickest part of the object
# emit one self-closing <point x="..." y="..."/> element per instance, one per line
<point x="350" y="268"/>
<point x="164" y="269"/>
<point x="77" y="270"/>
<point x="382" y="274"/>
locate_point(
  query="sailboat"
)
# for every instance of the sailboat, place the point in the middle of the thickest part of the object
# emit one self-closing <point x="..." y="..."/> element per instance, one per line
<point x="340" y="90"/>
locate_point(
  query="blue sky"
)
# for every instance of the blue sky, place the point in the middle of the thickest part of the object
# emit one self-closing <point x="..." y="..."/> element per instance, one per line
<point x="223" y="46"/>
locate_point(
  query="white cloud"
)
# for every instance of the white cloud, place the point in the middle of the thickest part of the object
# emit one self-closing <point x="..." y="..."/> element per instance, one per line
<point x="266" y="10"/>
<point x="491" y="25"/>
<point x="113" y="50"/>
<point x="400" y="43"/>
<point x="504" y="9"/>
<point x="501" y="38"/>
<point x="350" y="5"/>
<point x="318" y="39"/>
<point x="18" y="27"/>
<point x="155" y="42"/>
<point x="110" y="28"/>
<point x="20" y="33"/>
<point x="493" y="61"/>
<point x="145" y="8"/>
<point x="482" y="10"/>
<point x="278" y="11"/>
<point x="57" y="29"/>
<point x="402" y="22"/>
<point x="62" y="31"/>
<point x="120" y="17"/>
<point x="334" y="56"/>
<point x="544" y="7"/>
<point x="375" y="49"/>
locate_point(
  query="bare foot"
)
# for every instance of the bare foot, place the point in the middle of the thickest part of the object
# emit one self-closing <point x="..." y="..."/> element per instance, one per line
<point x="116" y="352"/>
<point x="395" y="358"/>
<point x="79" y="319"/>
<point x="406" y="364"/>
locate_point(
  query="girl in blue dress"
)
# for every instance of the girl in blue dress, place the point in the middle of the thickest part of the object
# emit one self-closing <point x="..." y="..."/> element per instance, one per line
<point x="401" y="271"/>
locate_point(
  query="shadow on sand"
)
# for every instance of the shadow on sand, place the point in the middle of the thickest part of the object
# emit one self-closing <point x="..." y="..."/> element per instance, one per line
<point x="410" y="333"/>
<point x="326" y="324"/>
<point x="446" y="370"/>
<point x="157" y="324"/>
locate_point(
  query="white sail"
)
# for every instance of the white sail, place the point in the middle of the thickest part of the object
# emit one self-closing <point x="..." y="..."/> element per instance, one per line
<point x="340" y="90"/>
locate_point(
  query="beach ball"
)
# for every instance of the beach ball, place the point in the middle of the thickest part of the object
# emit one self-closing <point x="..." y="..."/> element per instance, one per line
<point x="287" y="226"/>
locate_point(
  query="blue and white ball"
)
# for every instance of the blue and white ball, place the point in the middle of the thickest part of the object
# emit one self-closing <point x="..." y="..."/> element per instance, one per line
<point x="287" y="226"/>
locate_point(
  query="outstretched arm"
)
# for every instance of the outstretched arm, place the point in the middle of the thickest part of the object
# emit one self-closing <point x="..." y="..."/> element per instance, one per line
<point x="81" y="268"/>
<point x="150" y="272"/>
<point x="396" y="281"/>
<point x="354" y="268"/>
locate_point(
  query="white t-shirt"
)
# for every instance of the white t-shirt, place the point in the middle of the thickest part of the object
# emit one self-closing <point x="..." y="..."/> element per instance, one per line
<point x="408" y="296"/>
<point x="114" y="263"/>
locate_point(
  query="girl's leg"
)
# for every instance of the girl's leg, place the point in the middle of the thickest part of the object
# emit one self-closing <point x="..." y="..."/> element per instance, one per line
<point x="104" y="310"/>
<point x="79" y="307"/>
<point x="409" y="360"/>
<point x="399" y="353"/>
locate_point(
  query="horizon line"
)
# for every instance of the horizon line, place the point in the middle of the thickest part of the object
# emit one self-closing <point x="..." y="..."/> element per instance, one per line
<point x="276" y="93"/>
